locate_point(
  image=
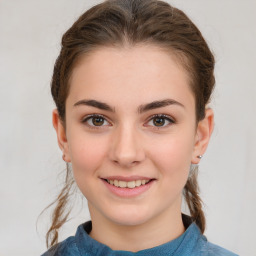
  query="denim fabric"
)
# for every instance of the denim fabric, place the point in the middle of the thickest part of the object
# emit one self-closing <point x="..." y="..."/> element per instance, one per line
<point x="190" y="243"/>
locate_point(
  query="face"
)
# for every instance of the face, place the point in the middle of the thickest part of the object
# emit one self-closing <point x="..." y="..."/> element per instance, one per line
<point x="130" y="120"/>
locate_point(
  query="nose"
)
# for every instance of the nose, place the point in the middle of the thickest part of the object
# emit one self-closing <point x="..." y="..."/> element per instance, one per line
<point x="126" y="147"/>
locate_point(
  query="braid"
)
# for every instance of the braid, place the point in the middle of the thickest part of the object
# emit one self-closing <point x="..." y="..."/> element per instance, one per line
<point x="59" y="217"/>
<point x="194" y="202"/>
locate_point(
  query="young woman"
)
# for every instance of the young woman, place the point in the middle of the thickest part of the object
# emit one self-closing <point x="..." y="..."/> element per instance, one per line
<point x="131" y="85"/>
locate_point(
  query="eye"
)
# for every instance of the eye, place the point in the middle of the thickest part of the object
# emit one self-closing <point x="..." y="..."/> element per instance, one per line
<point x="95" y="121"/>
<point x="160" y="121"/>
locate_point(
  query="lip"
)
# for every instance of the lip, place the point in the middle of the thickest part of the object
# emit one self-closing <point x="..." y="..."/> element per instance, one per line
<point x="128" y="192"/>
<point x="130" y="178"/>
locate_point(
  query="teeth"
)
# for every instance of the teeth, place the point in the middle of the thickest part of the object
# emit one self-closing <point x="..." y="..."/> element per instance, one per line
<point x="129" y="184"/>
<point x="122" y="184"/>
<point x="137" y="183"/>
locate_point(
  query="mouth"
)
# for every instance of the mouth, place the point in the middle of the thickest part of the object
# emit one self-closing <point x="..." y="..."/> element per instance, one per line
<point x="128" y="184"/>
<point x="128" y="187"/>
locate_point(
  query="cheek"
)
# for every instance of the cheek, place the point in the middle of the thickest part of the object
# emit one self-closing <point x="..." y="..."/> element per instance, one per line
<point x="173" y="163"/>
<point x="87" y="153"/>
<point x="172" y="157"/>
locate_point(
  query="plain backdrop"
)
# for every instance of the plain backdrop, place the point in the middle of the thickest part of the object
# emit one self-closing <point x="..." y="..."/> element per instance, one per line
<point x="31" y="167"/>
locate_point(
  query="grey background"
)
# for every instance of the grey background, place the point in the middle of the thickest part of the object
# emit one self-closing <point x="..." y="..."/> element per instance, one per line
<point x="30" y="160"/>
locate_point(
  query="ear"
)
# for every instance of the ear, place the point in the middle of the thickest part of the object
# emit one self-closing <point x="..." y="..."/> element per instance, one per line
<point x="203" y="135"/>
<point x="61" y="134"/>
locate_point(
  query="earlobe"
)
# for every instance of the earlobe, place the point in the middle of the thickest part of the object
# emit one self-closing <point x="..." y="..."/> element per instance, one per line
<point x="204" y="132"/>
<point x="61" y="134"/>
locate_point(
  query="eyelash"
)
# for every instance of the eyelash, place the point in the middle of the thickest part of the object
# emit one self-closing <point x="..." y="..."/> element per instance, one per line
<point x="163" y="116"/>
<point x="85" y="120"/>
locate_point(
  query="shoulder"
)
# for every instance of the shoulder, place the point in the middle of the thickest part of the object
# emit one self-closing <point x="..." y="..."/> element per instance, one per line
<point x="194" y="243"/>
<point x="65" y="248"/>
<point x="199" y="244"/>
<point x="217" y="250"/>
<point x="211" y="249"/>
<point x="72" y="245"/>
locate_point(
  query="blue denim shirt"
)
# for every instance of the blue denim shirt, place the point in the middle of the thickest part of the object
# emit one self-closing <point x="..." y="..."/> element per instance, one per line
<point x="190" y="243"/>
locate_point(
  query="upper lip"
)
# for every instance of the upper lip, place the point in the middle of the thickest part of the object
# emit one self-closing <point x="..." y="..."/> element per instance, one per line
<point x="126" y="178"/>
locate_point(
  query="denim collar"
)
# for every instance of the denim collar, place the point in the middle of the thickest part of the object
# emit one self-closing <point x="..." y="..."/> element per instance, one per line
<point x="185" y="242"/>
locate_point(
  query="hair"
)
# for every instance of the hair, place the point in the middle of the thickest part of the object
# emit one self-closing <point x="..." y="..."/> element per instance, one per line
<point x="120" y="23"/>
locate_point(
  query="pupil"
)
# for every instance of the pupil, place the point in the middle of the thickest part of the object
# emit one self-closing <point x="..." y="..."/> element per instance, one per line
<point x="159" y="121"/>
<point x="97" y="121"/>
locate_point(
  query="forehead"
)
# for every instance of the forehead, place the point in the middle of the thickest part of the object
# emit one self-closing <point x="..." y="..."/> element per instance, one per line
<point x="137" y="74"/>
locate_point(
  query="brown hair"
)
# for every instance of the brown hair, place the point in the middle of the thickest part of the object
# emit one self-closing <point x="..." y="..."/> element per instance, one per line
<point x="130" y="22"/>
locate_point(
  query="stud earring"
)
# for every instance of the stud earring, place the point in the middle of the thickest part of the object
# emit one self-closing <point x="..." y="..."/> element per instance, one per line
<point x="200" y="156"/>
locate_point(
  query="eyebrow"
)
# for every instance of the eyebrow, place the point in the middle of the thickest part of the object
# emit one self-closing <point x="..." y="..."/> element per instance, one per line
<point x="158" y="104"/>
<point x="96" y="104"/>
<point x="141" y="109"/>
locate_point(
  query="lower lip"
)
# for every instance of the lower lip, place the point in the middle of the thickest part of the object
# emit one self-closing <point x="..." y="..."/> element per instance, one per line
<point x="128" y="192"/>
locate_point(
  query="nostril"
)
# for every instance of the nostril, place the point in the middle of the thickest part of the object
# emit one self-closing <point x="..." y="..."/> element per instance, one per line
<point x="125" y="162"/>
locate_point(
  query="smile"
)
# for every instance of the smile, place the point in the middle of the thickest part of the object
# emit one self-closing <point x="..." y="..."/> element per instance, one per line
<point x="128" y="184"/>
<point x="128" y="187"/>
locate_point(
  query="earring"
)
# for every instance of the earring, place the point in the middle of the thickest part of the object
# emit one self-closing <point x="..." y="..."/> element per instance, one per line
<point x="200" y="156"/>
<point x="63" y="157"/>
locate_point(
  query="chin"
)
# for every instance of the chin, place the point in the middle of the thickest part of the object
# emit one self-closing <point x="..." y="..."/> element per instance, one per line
<point x="129" y="218"/>
<point x="131" y="221"/>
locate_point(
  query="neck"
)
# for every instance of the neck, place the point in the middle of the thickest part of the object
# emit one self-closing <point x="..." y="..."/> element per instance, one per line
<point x="162" y="229"/>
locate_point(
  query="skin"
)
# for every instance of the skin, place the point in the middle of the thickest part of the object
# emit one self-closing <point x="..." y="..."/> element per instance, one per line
<point x="130" y="143"/>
